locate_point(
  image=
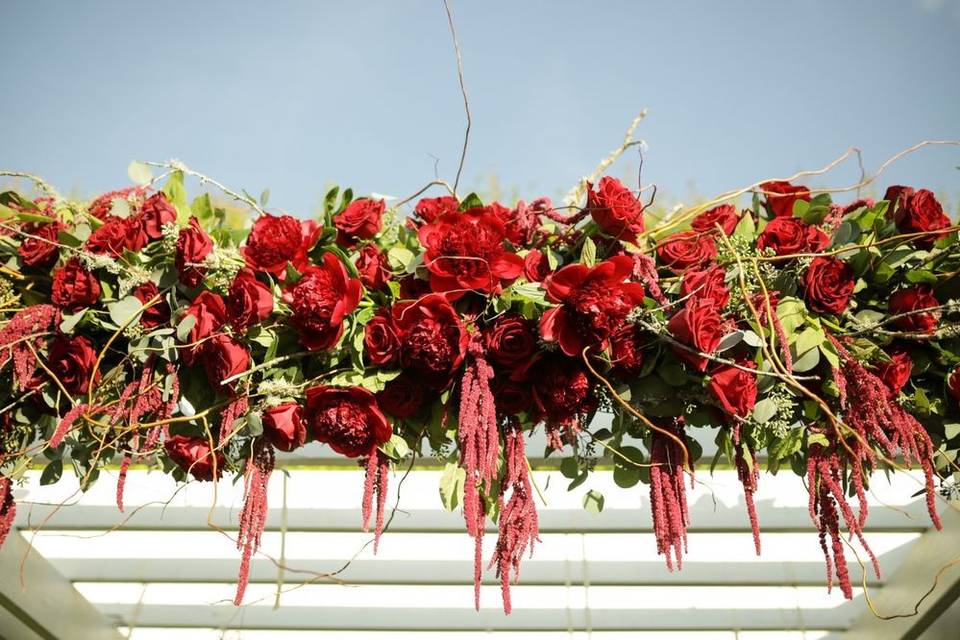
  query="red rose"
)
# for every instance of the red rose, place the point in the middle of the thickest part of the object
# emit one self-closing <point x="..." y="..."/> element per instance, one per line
<point x="224" y="357"/>
<point x="724" y="215"/>
<point x="38" y="249"/>
<point x="913" y="299"/>
<point x="686" y="250"/>
<point x="71" y="359"/>
<point x="594" y="302"/>
<point x="465" y="251"/>
<point x="787" y="236"/>
<point x="708" y="284"/>
<point x="562" y="390"/>
<point x="626" y="349"/>
<point x="373" y="268"/>
<point x="249" y="301"/>
<point x="430" y="209"/>
<point x="828" y="285"/>
<point x="401" y="397"/>
<point x="922" y="213"/>
<point x="284" y="426"/>
<point x="734" y="388"/>
<point x="897" y="195"/>
<point x="193" y="455"/>
<point x="193" y="245"/>
<point x="320" y="300"/>
<point x="115" y="235"/>
<point x="156" y="212"/>
<point x="433" y="338"/>
<point x="211" y="314"/>
<point x="380" y="341"/>
<point x="781" y="195"/>
<point x="102" y="205"/>
<point x="699" y="326"/>
<point x="361" y="220"/>
<point x="510" y="340"/>
<point x="614" y="209"/>
<point x="536" y="266"/>
<point x="159" y="312"/>
<point x="896" y="372"/>
<point x="276" y="241"/>
<point x="74" y="287"/>
<point x="953" y="383"/>
<point x="512" y="397"/>
<point x="348" y="419"/>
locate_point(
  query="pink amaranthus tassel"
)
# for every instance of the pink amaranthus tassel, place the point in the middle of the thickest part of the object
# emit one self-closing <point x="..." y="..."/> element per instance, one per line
<point x="376" y="482"/>
<point x="8" y="508"/>
<point x="668" y="496"/>
<point x="253" y="518"/>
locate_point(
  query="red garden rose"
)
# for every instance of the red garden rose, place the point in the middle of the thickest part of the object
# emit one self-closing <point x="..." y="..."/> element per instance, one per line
<point x="707" y="284"/>
<point x="74" y="287"/>
<point x="593" y="303"/>
<point x="510" y="340"/>
<point x="193" y="245"/>
<point x="562" y="390"/>
<point x="626" y="349"/>
<point x="787" y="236"/>
<point x="686" y="250"/>
<point x="71" y="359"/>
<point x="402" y="396"/>
<point x="615" y="210"/>
<point x="433" y="339"/>
<point x="896" y="372"/>
<point x="154" y="214"/>
<point x="897" y="195"/>
<point x="249" y="301"/>
<point x="697" y="325"/>
<point x="361" y="220"/>
<point x="725" y="216"/>
<point x="284" y="427"/>
<point x="511" y="397"/>
<point x="156" y="314"/>
<point x="102" y="206"/>
<point x="348" y="419"/>
<point x="373" y="268"/>
<point x="193" y="455"/>
<point x="38" y="249"/>
<point x="734" y="388"/>
<point x="953" y="383"/>
<point x="224" y="357"/>
<point x="922" y="213"/>
<point x="915" y="299"/>
<point x="380" y="341"/>
<point x="828" y="284"/>
<point x="429" y="210"/>
<point x="536" y="266"/>
<point x="276" y="241"/>
<point x="115" y="235"/>
<point x="465" y="252"/>
<point x="781" y="195"/>
<point x="211" y="314"/>
<point x="320" y="300"/>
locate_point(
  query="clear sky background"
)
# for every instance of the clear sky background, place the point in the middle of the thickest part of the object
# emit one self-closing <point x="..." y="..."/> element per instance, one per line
<point x="294" y="95"/>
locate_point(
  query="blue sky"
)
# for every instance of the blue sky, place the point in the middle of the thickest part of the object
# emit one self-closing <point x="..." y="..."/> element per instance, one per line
<point x="295" y="95"/>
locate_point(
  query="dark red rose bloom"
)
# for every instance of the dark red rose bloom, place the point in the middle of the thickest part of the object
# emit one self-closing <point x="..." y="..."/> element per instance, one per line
<point x="373" y="268"/>
<point x="465" y="252"/>
<point x="915" y="298"/>
<point x="686" y="250"/>
<point x="276" y="241"/>
<point x="724" y="215"/>
<point x="249" y="301"/>
<point x="102" y="205"/>
<point x="284" y="426"/>
<point x="512" y="397"/>
<point x="562" y="390"/>
<point x="614" y="209"/>
<point x="828" y="284"/>
<point x="510" y="340"/>
<point x="896" y="372"/>
<point x="71" y="359"/>
<point x="115" y="235"/>
<point x="224" y="357"/>
<point x="922" y="213"/>
<point x="402" y="396"/>
<point x="211" y="314"/>
<point x="433" y="338"/>
<point x="953" y="383"/>
<point x="412" y="287"/>
<point x="897" y="195"/>
<point x="320" y="300"/>
<point x="626" y="349"/>
<point x="156" y="212"/>
<point x="699" y="326"/>
<point x="193" y="245"/>
<point x="39" y="250"/>
<point x="594" y="302"/>
<point x="787" y="236"/>
<point x="429" y="210"/>
<point x="361" y="220"/>
<point x="781" y="195"/>
<point x="536" y="266"/>
<point x="348" y="419"/>
<point x="74" y="287"/>
<point x="380" y="341"/>
<point x="157" y="314"/>
<point x="193" y="455"/>
<point x="734" y="388"/>
<point x="707" y="284"/>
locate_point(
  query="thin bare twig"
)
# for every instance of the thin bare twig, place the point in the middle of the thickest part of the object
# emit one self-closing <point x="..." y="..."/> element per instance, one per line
<point x="463" y="91"/>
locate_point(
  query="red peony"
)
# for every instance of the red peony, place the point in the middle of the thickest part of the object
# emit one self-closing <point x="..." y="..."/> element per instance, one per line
<point x="697" y="325"/>
<point x="626" y="349"/>
<point x="781" y="195"/>
<point x="348" y="419"/>
<point x="320" y="301"/>
<point x="734" y="388"/>
<point x="708" y="284"/>
<point x="361" y="220"/>
<point x="284" y="427"/>
<point x="402" y="396"/>
<point x="38" y="249"/>
<point x="380" y="341"/>
<point x="593" y="303"/>
<point x="71" y="359"/>
<point x="211" y="314"/>
<point x="193" y="246"/>
<point x="276" y="241"/>
<point x="249" y="301"/>
<point x="536" y="266"/>
<point x="686" y="250"/>
<point x="429" y="210"/>
<point x="373" y="268"/>
<point x="788" y="236"/>
<point x="510" y="340"/>
<point x="615" y="210"/>
<point x="828" y="284"/>
<point x="74" y="287"/>
<point x="193" y="455"/>
<point x="154" y="214"/>
<point x="725" y="216"/>
<point x="911" y="301"/>
<point x="922" y="213"/>
<point x="433" y="339"/>
<point x="896" y="372"/>
<point x="562" y="390"/>
<point x="156" y="314"/>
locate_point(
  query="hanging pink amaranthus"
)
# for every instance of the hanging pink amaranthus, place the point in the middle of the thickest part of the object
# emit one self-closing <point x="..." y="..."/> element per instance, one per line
<point x="28" y="328"/>
<point x="376" y="481"/>
<point x="668" y="496"/>
<point x="748" y="472"/>
<point x="253" y="518"/>
<point x="8" y="508"/>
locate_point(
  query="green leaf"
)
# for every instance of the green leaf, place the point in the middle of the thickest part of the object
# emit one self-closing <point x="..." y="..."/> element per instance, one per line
<point x="177" y="194"/>
<point x="588" y="253"/>
<point x="264" y="197"/>
<point x="472" y="201"/>
<point x="400" y="258"/>
<point x="746" y="229"/>
<point x="124" y="312"/>
<point x="451" y="486"/>
<point x="69" y="321"/>
<point x="140" y="173"/>
<point x="921" y="276"/>
<point x="951" y="430"/>
<point x="52" y="472"/>
<point x="764" y="410"/>
<point x="807" y="361"/>
<point x="254" y="424"/>
<point x="202" y="207"/>
<point x="396" y="447"/>
<point x="569" y="468"/>
<point x="788" y="445"/>
<point x="185" y="326"/>
<point x="593" y="501"/>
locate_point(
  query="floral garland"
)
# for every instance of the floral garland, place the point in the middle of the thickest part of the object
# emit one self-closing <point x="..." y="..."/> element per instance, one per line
<point x="147" y="328"/>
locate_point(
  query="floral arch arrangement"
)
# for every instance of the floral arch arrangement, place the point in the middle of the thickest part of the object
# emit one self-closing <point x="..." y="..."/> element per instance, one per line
<point x="141" y="327"/>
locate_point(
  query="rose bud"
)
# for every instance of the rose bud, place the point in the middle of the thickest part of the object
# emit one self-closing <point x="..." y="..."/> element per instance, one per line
<point x="510" y="340"/>
<point x="156" y="314"/>
<point x="911" y="301"/>
<point x="896" y="372"/>
<point x="781" y="195"/>
<point x="361" y="220"/>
